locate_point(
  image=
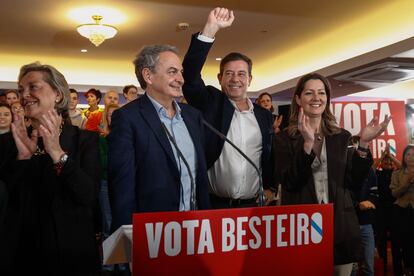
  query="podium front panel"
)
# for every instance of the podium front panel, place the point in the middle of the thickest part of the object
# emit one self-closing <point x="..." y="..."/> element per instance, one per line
<point x="286" y="240"/>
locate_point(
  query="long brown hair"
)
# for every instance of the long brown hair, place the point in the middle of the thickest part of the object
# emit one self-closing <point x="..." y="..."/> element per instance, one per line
<point x="329" y="125"/>
<point x="407" y="148"/>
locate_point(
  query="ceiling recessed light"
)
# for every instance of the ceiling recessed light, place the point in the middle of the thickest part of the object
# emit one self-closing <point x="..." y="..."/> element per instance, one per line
<point x="218" y="59"/>
<point x="183" y="26"/>
<point x="84" y="51"/>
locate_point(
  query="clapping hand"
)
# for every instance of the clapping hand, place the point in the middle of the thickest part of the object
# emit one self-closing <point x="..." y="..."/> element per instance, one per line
<point x="26" y="146"/>
<point x="219" y="18"/>
<point x="277" y="123"/>
<point x="385" y="152"/>
<point x="306" y="130"/>
<point x="373" y="130"/>
<point x="49" y="130"/>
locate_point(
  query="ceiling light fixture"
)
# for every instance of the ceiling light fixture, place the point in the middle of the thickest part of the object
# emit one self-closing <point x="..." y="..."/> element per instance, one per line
<point x="97" y="32"/>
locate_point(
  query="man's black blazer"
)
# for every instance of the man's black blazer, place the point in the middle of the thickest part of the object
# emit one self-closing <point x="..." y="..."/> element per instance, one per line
<point x="218" y="110"/>
<point x="142" y="170"/>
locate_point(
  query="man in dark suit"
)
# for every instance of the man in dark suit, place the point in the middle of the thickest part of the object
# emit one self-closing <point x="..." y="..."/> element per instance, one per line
<point x="233" y="181"/>
<point x="147" y="172"/>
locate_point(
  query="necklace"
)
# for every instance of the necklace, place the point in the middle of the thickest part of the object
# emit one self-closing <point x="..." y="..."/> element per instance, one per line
<point x="39" y="151"/>
<point x="40" y="148"/>
<point x="319" y="137"/>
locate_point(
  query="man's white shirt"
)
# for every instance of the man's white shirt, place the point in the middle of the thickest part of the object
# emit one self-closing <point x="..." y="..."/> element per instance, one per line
<point x="231" y="176"/>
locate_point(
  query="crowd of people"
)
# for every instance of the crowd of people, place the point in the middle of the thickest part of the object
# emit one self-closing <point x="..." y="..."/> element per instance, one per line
<point x="70" y="177"/>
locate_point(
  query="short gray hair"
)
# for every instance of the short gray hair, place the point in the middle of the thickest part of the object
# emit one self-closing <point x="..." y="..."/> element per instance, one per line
<point x="55" y="79"/>
<point x="148" y="58"/>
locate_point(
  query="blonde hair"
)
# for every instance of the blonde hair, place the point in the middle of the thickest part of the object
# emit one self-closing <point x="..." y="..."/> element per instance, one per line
<point x="105" y="127"/>
<point x="56" y="80"/>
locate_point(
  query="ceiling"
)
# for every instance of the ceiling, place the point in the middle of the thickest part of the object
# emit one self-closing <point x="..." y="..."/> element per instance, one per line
<point x="284" y="38"/>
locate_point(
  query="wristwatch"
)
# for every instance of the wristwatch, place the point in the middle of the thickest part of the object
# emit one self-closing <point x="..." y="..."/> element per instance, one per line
<point x="61" y="163"/>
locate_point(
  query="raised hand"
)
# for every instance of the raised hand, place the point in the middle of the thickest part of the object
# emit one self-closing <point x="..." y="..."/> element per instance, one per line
<point x="277" y="123"/>
<point x="219" y="18"/>
<point x="306" y="130"/>
<point x="387" y="149"/>
<point x="49" y="130"/>
<point x="384" y="153"/>
<point x="373" y="130"/>
<point x="26" y="146"/>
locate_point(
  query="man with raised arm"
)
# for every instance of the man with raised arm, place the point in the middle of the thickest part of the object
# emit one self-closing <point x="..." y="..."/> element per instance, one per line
<point x="233" y="181"/>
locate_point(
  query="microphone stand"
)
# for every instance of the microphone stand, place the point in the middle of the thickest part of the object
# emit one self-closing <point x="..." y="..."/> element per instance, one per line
<point x="223" y="137"/>
<point x="193" y="200"/>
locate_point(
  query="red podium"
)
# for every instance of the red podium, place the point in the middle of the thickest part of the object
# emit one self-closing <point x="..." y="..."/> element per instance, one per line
<point x="282" y="240"/>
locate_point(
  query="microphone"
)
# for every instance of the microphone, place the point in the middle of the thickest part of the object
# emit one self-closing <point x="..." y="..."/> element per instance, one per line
<point x="193" y="200"/>
<point x="223" y="137"/>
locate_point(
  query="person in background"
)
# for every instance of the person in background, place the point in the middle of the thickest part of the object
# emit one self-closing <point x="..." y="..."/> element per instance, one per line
<point x="93" y="114"/>
<point x="52" y="178"/>
<point x="111" y="98"/>
<point x="234" y="182"/>
<point x="385" y="228"/>
<point x="265" y="101"/>
<point x="146" y="171"/>
<point x="109" y="111"/>
<point x="5" y="118"/>
<point x="6" y="146"/>
<point x="18" y="109"/>
<point x="402" y="188"/>
<point x="6" y="139"/>
<point x="5" y="125"/>
<point x="130" y="93"/>
<point x="366" y="200"/>
<point x="4" y="198"/>
<point x="75" y="114"/>
<point x="104" y="202"/>
<point x="3" y="98"/>
<point x="315" y="165"/>
<point x="11" y="96"/>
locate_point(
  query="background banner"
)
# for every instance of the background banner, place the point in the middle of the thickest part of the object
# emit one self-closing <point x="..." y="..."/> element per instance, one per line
<point x="287" y="240"/>
<point x="353" y="116"/>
